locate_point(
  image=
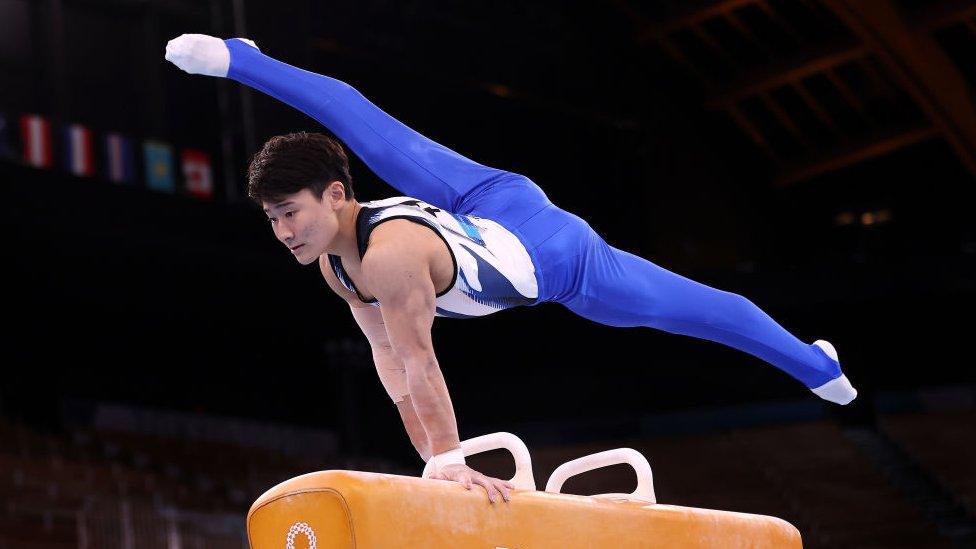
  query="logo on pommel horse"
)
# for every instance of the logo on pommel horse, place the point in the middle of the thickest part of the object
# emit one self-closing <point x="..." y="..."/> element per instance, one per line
<point x="300" y="528"/>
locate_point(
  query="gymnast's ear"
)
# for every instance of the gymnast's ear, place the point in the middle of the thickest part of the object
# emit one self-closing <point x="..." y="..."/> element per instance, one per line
<point x="334" y="192"/>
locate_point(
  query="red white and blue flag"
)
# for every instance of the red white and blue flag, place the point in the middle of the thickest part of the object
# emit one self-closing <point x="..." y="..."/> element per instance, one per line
<point x="79" y="152"/>
<point x="35" y="134"/>
<point x="197" y="173"/>
<point x="120" y="158"/>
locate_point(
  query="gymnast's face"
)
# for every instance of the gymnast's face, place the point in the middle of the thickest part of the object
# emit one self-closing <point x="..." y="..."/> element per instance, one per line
<point x="306" y="224"/>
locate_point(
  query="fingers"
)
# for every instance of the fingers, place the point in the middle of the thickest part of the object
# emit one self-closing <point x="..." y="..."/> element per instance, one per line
<point x="486" y="483"/>
<point x="504" y="487"/>
<point x="495" y="488"/>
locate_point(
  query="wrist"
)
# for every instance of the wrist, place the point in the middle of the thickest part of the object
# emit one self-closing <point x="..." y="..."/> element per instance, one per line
<point x="450" y="457"/>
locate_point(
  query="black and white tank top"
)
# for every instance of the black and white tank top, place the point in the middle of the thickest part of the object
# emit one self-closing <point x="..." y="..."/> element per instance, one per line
<point x="492" y="270"/>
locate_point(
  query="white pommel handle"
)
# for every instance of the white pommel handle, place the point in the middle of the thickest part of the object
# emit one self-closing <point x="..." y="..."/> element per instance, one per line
<point x="645" y="480"/>
<point x="523" y="479"/>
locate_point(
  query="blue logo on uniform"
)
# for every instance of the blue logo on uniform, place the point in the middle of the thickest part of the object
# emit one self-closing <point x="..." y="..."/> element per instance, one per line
<point x="469" y="228"/>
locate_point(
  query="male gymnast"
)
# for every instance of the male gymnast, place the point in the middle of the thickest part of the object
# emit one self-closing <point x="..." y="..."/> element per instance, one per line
<point x="466" y="240"/>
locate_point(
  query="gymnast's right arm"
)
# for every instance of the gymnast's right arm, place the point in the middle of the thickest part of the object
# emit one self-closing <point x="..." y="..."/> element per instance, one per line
<point x="392" y="150"/>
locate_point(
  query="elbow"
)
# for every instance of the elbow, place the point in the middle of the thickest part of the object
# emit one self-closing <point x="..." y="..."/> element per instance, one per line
<point x="423" y="375"/>
<point x="420" y="364"/>
<point x="420" y="359"/>
<point x="381" y="348"/>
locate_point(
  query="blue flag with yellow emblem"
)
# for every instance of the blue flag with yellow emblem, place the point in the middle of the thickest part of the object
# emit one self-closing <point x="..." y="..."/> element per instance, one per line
<point x="160" y="172"/>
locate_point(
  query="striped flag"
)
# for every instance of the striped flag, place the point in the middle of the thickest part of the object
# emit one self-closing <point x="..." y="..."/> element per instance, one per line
<point x="79" y="151"/>
<point x="159" y="166"/>
<point x="197" y="172"/>
<point x="120" y="158"/>
<point x="35" y="133"/>
<point x="6" y="140"/>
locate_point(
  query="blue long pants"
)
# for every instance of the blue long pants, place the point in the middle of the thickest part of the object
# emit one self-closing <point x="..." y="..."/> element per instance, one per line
<point x="574" y="265"/>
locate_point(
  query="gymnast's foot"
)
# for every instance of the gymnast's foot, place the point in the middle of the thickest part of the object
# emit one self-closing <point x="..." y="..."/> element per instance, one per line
<point x="839" y="389"/>
<point x="201" y="54"/>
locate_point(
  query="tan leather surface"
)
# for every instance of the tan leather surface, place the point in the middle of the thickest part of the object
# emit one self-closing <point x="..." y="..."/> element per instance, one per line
<point x="366" y="510"/>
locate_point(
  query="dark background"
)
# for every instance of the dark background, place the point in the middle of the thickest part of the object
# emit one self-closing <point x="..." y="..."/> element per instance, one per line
<point x="797" y="153"/>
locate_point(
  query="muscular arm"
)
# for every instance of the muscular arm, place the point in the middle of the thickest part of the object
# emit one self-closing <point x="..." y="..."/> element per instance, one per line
<point x="393" y="374"/>
<point x="389" y="367"/>
<point x="398" y="274"/>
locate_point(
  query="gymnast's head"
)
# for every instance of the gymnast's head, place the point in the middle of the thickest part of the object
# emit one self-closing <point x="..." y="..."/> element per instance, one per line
<point x="301" y="181"/>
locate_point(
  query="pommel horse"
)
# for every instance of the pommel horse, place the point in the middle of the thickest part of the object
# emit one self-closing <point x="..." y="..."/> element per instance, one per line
<point x="353" y="509"/>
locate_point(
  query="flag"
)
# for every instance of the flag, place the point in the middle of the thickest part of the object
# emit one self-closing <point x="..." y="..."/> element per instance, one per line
<point x="159" y="166"/>
<point x="6" y="140"/>
<point x="120" y="158"/>
<point x="35" y="133"/>
<point x="79" y="152"/>
<point x="197" y="173"/>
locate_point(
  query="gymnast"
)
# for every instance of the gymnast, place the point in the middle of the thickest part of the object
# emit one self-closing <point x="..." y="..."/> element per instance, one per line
<point x="465" y="240"/>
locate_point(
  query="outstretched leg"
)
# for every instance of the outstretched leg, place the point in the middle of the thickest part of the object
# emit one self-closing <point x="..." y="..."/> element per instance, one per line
<point x="408" y="161"/>
<point x="618" y="288"/>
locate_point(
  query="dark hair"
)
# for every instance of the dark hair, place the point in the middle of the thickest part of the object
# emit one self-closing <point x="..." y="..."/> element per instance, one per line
<point x="286" y="164"/>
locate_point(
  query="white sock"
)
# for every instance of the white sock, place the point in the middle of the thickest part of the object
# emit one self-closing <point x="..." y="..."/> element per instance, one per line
<point x="838" y="390"/>
<point x="199" y="54"/>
